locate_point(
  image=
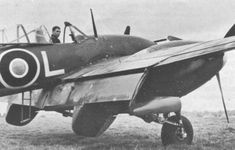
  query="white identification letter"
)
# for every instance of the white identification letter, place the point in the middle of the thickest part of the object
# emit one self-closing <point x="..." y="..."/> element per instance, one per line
<point x="49" y="73"/>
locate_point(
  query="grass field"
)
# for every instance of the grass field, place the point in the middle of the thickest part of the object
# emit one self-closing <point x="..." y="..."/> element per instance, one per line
<point x="52" y="131"/>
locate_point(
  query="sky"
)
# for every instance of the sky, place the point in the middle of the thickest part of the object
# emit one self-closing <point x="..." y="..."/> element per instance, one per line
<point x="151" y="19"/>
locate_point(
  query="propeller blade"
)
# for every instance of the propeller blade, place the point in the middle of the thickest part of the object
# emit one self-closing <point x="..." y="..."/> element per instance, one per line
<point x="222" y="95"/>
<point x="127" y="31"/>
<point x="231" y="32"/>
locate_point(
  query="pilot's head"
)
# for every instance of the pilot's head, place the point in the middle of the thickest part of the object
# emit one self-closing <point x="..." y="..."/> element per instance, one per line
<point x="56" y="31"/>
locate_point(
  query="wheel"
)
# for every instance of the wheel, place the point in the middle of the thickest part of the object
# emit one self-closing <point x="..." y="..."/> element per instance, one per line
<point x="172" y="134"/>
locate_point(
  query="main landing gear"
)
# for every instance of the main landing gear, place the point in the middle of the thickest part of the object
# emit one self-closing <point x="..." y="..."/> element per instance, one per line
<point x="176" y="129"/>
<point x="180" y="132"/>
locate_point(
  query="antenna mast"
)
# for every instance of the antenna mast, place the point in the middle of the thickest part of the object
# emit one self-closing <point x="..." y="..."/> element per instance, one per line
<point x="93" y="24"/>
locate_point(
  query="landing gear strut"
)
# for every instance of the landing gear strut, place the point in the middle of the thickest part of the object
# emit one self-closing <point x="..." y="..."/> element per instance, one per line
<point x="179" y="133"/>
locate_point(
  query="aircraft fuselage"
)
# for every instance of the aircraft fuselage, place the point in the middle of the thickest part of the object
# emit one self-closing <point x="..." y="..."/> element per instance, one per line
<point x="32" y="66"/>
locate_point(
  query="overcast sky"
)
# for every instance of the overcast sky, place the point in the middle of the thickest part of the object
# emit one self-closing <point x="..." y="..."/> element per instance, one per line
<point x="149" y="18"/>
<point x="152" y="19"/>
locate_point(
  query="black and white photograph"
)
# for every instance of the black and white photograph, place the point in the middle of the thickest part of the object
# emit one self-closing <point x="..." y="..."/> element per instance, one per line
<point x="117" y="75"/>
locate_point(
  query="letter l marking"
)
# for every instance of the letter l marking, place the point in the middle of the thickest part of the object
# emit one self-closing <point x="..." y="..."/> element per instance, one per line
<point x="49" y="73"/>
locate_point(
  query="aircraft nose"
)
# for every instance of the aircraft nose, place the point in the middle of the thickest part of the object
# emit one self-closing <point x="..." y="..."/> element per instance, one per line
<point x="18" y="68"/>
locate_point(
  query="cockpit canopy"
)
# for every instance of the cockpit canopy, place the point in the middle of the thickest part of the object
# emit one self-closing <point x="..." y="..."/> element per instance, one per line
<point x="37" y="35"/>
<point x="42" y="35"/>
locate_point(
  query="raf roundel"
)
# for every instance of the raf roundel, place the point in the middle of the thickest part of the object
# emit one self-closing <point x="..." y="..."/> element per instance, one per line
<point x="19" y="68"/>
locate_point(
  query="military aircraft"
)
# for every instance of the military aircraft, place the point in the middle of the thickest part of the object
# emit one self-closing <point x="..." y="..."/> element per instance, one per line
<point x="96" y="77"/>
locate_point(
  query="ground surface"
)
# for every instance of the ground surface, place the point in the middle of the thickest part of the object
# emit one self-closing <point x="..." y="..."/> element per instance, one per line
<point x="52" y="131"/>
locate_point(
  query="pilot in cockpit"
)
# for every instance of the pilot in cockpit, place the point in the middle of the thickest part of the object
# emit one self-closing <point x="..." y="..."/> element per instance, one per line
<point x="55" y="34"/>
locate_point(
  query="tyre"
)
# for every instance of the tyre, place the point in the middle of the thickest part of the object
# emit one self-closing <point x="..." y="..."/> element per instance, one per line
<point x="172" y="134"/>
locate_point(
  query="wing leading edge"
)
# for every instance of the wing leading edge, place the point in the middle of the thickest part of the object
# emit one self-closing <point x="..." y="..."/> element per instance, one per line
<point x="150" y="57"/>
